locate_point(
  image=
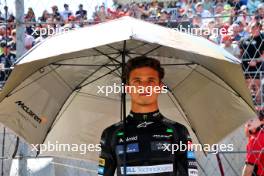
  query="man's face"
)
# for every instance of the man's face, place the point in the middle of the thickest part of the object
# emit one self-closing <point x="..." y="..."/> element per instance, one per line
<point x="6" y="50"/>
<point x="253" y="124"/>
<point x="146" y="78"/>
<point x="255" y="31"/>
<point x="199" y="9"/>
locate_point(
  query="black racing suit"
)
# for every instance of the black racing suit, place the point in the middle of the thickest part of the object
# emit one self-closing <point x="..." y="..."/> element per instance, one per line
<point x="149" y="141"/>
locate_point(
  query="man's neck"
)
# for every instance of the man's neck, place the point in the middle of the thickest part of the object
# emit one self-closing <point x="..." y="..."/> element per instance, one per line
<point x="144" y="109"/>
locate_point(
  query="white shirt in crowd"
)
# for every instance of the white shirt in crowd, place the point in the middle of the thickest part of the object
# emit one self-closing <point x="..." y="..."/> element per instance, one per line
<point x="233" y="49"/>
<point x="65" y="14"/>
<point x="29" y="41"/>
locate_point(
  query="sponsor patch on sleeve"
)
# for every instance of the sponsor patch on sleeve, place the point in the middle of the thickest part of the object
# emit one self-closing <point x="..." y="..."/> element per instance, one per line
<point x="101" y="170"/>
<point x="190" y="155"/>
<point x="192" y="172"/>
<point x="101" y="162"/>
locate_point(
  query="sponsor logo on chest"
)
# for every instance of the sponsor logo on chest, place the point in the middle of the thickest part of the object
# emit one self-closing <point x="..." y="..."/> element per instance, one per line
<point x="129" y="139"/>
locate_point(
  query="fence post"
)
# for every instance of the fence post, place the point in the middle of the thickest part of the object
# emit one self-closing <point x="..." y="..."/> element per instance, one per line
<point x="20" y="50"/>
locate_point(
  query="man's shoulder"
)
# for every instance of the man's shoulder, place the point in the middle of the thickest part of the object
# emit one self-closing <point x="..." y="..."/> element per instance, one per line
<point x="113" y="128"/>
<point x="176" y="125"/>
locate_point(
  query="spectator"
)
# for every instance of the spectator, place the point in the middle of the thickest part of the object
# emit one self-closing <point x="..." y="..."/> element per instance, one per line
<point x="255" y="157"/>
<point x="219" y="9"/>
<point x="82" y="13"/>
<point x="244" y="16"/>
<point x="13" y="42"/>
<point x="182" y="4"/>
<point x="4" y="34"/>
<point x="55" y="13"/>
<point x="6" y="14"/>
<point x="242" y="32"/>
<point x="205" y="14"/>
<point x="29" y="41"/>
<point x="7" y="59"/>
<point x="101" y="13"/>
<point x="71" y="24"/>
<point x="153" y="10"/>
<point x="197" y="21"/>
<point x="253" y="46"/>
<point x="260" y="11"/>
<point x="228" y="45"/>
<point x="30" y="16"/>
<point x="66" y="13"/>
<point x="45" y="16"/>
<point x="164" y="16"/>
<point x="253" y="5"/>
<point x="235" y="32"/>
<point x="235" y="4"/>
<point x="208" y="5"/>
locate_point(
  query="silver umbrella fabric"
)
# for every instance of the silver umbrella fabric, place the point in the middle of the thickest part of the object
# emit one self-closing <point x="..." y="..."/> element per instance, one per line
<point x="52" y="94"/>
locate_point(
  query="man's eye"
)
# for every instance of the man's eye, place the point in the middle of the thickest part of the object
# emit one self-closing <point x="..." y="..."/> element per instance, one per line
<point x="137" y="81"/>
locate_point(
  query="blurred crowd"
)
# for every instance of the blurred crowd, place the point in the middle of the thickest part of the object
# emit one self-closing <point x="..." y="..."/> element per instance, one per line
<point x="235" y="25"/>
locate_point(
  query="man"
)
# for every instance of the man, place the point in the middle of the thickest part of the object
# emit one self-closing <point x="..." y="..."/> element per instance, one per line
<point x="66" y="13"/>
<point x="55" y="13"/>
<point x="147" y="133"/>
<point x="7" y="59"/>
<point x="255" y="148"/>
<point x="252" y="51"/>
<point x="82" y="13"/>
<point x="205" y="14"/>
<point x="228" y="45"/>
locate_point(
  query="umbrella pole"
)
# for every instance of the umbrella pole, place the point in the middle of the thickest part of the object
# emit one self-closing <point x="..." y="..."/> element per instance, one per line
<point x="123" y="102"/>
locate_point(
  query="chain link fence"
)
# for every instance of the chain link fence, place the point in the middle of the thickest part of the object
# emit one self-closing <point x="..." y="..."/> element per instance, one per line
<point x="234" y="25"/>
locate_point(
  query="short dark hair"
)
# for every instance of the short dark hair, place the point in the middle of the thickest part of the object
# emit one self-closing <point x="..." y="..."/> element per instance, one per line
<point x="142" y="61"/>
<point x="261" y="115"/>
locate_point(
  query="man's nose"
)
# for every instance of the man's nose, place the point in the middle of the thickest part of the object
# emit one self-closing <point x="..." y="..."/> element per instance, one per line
<point x="145" y="83"/>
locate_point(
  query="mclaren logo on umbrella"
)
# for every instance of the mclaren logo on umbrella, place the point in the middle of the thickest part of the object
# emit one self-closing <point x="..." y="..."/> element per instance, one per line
<point x="28" y="111"/>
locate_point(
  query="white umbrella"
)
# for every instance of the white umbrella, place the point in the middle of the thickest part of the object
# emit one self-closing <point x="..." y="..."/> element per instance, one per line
<point x="51" y="95"/>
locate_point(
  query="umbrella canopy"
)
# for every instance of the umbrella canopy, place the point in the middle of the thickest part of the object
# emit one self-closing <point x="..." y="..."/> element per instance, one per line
<point x="52" y="94"/>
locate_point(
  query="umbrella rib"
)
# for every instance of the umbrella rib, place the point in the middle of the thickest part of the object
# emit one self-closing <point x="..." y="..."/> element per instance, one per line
<point x="106" y="55"/>
<point x="78" y="88"/>
<point x="97" y="96"/>
<point x="118" y="75"/>
<point x="138" y="46"/>
<point x="12" y="93"/>
<point x="180" y="110"/>
<point x="188" y="119"/>
<point x="114" y="48"/>
<point x="86" y="65"/>
<point x="58" y="115"/>
<point x="63" y="79"/>
<point x="192" y="70"/>
<point x="101" y="66"/>
<point x="83" y="57"/>
<point x="150" y="51"/>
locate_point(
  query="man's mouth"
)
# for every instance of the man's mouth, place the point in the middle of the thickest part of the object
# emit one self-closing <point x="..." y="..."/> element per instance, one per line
<point x="144" y="94"/>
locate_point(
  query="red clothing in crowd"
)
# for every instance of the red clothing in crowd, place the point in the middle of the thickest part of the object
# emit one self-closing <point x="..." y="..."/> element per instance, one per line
<point x="255" y="151"/>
